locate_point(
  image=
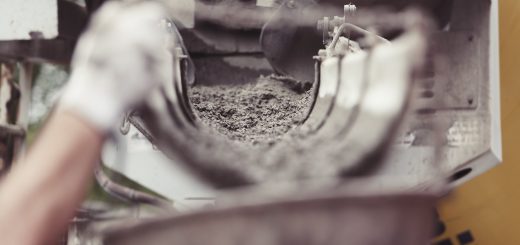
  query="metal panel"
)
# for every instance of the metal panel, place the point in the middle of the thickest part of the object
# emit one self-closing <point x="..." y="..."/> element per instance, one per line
<point x="18" y="19"/>
<point x="149" y="167"/>
<point x="458" y="74"/>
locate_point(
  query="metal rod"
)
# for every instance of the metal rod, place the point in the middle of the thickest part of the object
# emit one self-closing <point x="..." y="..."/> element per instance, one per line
<point x="22" y="120"/>
<point x="128" y="194"/>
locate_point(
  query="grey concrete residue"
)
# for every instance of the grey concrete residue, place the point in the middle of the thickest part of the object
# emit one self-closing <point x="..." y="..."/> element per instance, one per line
<point x="257" y="112"/>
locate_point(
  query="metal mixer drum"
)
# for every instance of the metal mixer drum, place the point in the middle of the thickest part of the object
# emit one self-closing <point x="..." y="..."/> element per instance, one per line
<point x="312" y="219"/>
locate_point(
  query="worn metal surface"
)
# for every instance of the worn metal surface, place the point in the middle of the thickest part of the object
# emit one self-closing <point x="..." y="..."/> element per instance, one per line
<point x="456" y="64"/>
<point x="321" y="219"/>
<point x="460" y="95"/>
<point x="225" y="56"/>
<point x="288" y="45"/>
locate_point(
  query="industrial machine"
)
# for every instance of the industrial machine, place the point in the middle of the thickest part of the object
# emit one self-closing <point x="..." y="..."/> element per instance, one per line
<point x="405" y="107"/>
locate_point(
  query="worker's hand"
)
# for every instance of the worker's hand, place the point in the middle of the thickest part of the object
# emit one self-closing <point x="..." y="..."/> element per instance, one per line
<point x="117" y="62"/>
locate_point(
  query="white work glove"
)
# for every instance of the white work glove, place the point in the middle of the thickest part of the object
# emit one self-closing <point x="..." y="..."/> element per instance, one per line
<point x="117" y="62"/>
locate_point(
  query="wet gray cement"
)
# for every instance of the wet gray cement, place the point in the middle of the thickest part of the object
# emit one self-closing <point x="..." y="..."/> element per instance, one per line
<point x="256" y="113"/>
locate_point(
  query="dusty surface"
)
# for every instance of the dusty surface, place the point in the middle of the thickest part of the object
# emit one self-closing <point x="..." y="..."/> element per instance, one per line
<point x="256" y="113"/>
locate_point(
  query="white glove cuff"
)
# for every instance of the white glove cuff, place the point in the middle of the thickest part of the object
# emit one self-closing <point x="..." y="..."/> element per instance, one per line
<point x="96" y="105"/>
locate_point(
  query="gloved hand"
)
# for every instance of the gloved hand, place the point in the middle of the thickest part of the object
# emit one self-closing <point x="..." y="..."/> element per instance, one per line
<point x="117" y="62"/>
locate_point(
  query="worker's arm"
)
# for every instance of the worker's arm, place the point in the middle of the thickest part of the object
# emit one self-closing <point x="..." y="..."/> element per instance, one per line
<point x="38" y="198"/>
<point x="117" y="62"/>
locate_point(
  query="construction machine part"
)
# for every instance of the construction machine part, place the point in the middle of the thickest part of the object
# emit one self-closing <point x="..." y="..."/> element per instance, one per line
<point x="127" y="194"/>
<point x="329" y="218"/>
<point x="454" y="135"/>
<point x="231" y="14"/>
<point x="145" y="164"/>
<point x="9" y="103"/>
<point x="228" y="164"/>
<point x="182" y="74"/>
<point x="290" y="43"/>
<point x="379" y="153"/>
<point x="225" y="55"/>
<point x="325" y="106"/>
<point x="459" y="98"/>
<point x="287" y="44"/>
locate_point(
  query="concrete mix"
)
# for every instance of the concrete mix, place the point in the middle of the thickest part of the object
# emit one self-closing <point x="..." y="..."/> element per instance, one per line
<point x="256" y="113"/>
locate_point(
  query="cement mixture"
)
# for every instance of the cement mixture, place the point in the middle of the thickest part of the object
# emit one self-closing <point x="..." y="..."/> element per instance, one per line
<point x="256" y="113"/>
<point x="252" y="133"/>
